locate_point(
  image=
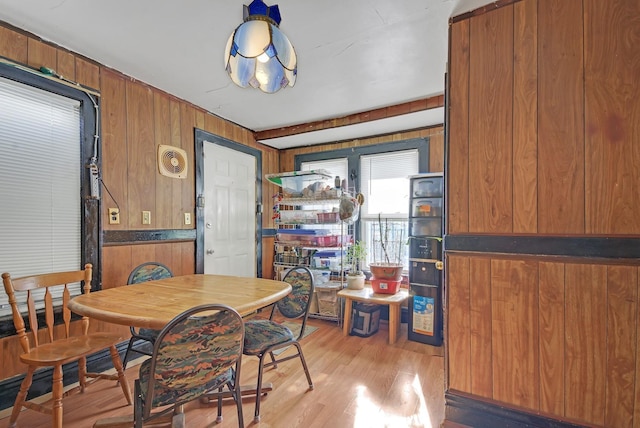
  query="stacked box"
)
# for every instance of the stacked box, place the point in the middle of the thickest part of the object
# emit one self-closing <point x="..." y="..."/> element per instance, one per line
<point x="365" y="319"/>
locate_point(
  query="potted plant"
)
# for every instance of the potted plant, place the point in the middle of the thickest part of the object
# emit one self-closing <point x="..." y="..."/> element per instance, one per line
<point x="387" y="269"/>
<point x="356" y="255"/>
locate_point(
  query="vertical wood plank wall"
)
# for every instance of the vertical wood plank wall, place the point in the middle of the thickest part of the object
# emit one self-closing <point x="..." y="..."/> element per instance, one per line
<point x="135" y="119"/>
<point x="544" y="140"/>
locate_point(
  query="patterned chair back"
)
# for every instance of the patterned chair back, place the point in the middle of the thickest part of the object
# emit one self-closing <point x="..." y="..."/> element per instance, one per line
<point x="148" y="272"/>
<point x="199" y="350"/>
<point x="296" y="303"/>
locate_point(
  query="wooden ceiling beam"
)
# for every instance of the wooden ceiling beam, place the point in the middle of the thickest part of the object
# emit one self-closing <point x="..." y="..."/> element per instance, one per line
<point x="353" y="119"/>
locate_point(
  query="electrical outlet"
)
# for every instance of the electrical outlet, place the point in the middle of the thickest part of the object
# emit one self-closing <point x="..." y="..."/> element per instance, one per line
<point x="187" y="218"/>
<point x="114" y="216"/>
<point x="146" y="217"/>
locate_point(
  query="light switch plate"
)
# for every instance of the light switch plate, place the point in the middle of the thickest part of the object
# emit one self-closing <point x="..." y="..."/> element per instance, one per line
<point x="187" y="218"/>
<point x="146" y="217"/>
<point x="114" y="216"/>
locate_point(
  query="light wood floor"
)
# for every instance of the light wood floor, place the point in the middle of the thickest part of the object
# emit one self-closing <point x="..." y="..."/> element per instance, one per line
<point x="358" y="382"/>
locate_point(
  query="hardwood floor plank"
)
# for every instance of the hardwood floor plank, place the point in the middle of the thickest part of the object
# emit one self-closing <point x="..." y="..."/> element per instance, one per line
<point x="358" y="382"/>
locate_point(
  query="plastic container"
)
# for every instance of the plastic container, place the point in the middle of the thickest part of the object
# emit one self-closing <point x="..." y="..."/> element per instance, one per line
<point x="426" y="207"/>
<point x="327" y="296"/>
<point x="328" y="217"/>
<point x="297" y="217"/>
<point x="428" y="187"/>
<point x="301" y="184"/>
<point x="310" y="240"/>
<point x="426" y="226"/>
<point x="385" y="286"/>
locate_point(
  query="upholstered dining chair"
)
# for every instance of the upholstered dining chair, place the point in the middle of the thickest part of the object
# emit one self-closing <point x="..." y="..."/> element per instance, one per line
<point x="145" y="272"/>
<point x="55" y="345"/>
<point x="263" y="336"/>
<point x="199" y="352"/>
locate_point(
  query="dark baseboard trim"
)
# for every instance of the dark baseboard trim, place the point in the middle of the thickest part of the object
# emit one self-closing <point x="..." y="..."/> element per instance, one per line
<point x="128" y="237"/>
<point x="481" y="414"/>
<point x="624" y="249"/>
<point x="41" y="385"/>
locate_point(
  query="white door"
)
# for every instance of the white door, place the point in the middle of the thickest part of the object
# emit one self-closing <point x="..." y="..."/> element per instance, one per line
<point x="229" y="211"/>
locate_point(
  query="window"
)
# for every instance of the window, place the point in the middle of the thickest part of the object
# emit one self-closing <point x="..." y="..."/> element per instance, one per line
<point x="337" y="167"/>
<point x="50" y="222"/>
<point x="384" y="180"/>
<point x="374" y="170"/>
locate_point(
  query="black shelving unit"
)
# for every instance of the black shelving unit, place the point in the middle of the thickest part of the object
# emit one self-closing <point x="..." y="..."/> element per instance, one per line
<point x="425" y="259"/>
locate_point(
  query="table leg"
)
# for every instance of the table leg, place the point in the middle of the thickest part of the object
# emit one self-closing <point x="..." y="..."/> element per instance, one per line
<point x="394" y="323"/>
<point x="347" y="316"/>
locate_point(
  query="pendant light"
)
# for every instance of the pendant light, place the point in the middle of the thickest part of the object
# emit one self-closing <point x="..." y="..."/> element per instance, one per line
<point x="258" y="54"/>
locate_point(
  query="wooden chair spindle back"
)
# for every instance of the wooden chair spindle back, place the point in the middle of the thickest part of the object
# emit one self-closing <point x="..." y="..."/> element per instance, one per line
<point x="32" y="283"/>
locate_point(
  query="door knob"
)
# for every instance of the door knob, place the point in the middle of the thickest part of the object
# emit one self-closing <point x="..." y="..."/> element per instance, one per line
<point x="210" y="251"/>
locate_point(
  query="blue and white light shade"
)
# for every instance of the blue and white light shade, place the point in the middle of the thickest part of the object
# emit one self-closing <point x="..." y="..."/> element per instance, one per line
<point x="258" y="54"/>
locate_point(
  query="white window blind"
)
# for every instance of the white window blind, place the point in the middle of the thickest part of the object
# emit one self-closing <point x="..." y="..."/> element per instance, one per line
<point x="40" y="144"/>
<point x="384" y="180"/>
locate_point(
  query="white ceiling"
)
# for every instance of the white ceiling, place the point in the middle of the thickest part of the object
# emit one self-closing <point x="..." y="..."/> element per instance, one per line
<point x="353" y="55"/>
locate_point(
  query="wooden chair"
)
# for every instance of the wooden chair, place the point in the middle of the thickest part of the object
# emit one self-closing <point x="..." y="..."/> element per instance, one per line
<point x="145" y="272"/>
<point x="262" y="337"/>
<point x="54" y="345"/>
<point x="198" y="352"/>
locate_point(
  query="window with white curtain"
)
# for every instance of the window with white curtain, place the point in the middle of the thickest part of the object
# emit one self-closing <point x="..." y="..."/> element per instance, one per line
<point x="384" y="182"/>
<point x="40" y="148"/>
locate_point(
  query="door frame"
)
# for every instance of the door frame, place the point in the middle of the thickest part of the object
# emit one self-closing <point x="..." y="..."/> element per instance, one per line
<point x="200" y="137"/>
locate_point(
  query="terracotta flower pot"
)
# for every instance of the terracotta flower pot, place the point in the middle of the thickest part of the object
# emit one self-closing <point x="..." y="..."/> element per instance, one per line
<point x="388" y="271"/>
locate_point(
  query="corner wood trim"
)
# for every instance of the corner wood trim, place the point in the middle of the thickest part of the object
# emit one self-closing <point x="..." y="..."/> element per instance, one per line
<point x="477" y="413"/>
<point x="482" y="10"/>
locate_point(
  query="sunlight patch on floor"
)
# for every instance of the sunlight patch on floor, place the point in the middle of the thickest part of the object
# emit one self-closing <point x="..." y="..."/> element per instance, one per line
<point x="370" y="414"/>
<point x="422" y="415"/>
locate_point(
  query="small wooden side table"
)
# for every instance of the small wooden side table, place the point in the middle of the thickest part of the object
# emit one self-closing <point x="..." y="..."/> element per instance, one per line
<point x="367" y="295"/>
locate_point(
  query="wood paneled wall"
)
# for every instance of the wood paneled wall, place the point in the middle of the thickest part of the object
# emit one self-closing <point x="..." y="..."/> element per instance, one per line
<point x="135" y="119"/>
<point x="544" y="119"/>
<point x="553" y="337"/>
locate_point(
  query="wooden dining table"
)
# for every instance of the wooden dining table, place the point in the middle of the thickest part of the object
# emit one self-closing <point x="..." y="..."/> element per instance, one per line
<point x="153" y="304"/>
